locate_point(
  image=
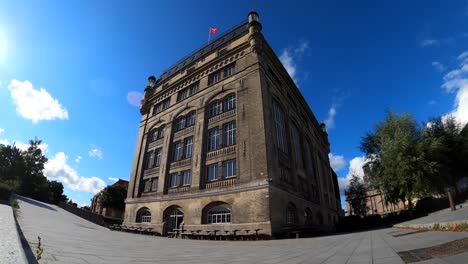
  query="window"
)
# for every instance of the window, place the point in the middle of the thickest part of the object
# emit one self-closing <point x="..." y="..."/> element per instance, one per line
<point x="180" y="123"/>
<point x="228" y="71"/>
<point x="190" y="119"/>
<point x="285" y="174"/>
<point x="174" y="180"/>
<point x="147" y="186"/>
<point x="219" y="214"/>
<point x="229" y="134"/>
<point x="178" y="151"/>
<point x="157" y="160"/>
<point x="154" y="184"/>
<point x="308" y="216"/>
<point x="215" y="108"/>
<point x="159" y="107"/>
<point x="186" y="175"/>
<point x="143" y="216"/>
<point x="291" y="214"/>
<point x="192" y="89"/>
<point x="150" y="160"/>
<point x="296" y="141"/>
<point x="156" y="133"/>
<point x="229" y="168"/>
<point x="279" y="127"/>
<point x="221" y="74"/>
<point x="188" y="145"/>
<point x="229" y="102"/>
<point x="214" y="77"/>
<point x="213" y="174"/>
<point x="183" y="94"/>
<point x="213" y="139"/>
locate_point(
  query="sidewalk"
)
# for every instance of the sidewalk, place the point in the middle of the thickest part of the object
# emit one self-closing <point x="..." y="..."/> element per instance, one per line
<point x="442" y="218"/>
<point x="11" y="250"/>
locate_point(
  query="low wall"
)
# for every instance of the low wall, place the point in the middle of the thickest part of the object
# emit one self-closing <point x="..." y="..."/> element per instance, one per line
<point x="11" y="250"/>
<point x="88" y="215"/>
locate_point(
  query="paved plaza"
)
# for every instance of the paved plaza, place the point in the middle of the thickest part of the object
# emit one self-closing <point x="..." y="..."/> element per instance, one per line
<point x="67" y="238"/>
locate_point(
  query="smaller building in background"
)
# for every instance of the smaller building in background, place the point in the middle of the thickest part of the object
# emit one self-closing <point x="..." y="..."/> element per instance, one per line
<point x="111" y="213"/>
<point x="376" y="203"/>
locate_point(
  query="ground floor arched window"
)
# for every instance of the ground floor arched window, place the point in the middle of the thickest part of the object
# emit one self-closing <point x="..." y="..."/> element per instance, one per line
<point x="291" y="214"/>
<point x="143" y="216"/>
<point x="219" y="214"/>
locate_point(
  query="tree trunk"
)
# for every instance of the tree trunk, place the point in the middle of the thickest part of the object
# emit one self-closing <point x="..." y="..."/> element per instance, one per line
<point x="410" y="206"/>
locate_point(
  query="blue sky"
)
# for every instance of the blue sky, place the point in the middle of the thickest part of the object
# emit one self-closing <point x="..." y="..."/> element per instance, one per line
<point x="70" y="70"/>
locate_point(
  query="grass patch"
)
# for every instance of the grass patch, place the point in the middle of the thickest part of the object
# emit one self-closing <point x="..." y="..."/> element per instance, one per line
<point x="15" y="205"/>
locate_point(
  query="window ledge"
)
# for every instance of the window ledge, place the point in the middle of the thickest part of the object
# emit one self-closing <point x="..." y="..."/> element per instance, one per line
<point x="221" y="116"/>
<point x="178" y="189"/>
<point x="184" y="131"/>
<point x="181" y="163"/>
<point x="154" y="170"/>
<point x="221" y="183"/>
<point x="221" y="152"/>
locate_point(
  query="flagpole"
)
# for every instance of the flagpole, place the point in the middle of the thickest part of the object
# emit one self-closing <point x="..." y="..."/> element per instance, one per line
<point x="209" y="35"/>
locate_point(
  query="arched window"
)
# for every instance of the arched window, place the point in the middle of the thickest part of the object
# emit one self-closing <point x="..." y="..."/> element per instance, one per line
<point x="143" y="216"/>
<point x="180" y="123"/>
<point x="156" y="133"/>
<point x="291" y="214"/>
<point x="190" y="119"/>
<point x="219" y="214"/>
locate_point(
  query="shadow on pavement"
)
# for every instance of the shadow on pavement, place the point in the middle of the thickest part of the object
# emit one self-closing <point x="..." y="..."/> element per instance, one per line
<point x="36" y="203"/>
<point x="27" y="249"/>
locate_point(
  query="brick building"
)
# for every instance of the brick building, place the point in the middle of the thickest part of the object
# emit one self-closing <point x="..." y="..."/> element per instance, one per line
<point x="112" y="213"/>
<point x="226" y="141"/>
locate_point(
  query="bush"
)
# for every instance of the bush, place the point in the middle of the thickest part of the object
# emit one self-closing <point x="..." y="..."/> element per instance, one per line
<point x="5" y="191"/>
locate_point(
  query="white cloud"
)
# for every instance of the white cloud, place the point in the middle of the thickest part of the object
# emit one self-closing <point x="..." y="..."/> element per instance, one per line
<point x="457" y="81"/>
<point x="78" y="159"/>
<point x="113" y="179"/>
<point x="2" y="130"/>
<point x="35" y="105"/>
<point x="95" y="152"/>
<point x="290" y="56"/>
<point x="429" y="42"/>
<point x="58" y="169"/>
<point x="438" y="66"/>
<point x="330" y="121"/>
<point x="337" y="162"/>
<point x="134" y="98"/>
<point x="4" y="142"/>
<point x="355" y="168"/>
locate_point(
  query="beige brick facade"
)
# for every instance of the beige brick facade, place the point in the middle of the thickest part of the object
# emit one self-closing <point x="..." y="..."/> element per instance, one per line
<point x="220" y="165"/>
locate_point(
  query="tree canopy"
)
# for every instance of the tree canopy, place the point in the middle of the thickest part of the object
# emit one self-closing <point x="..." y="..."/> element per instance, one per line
<point x="22" y="172"/>
<point x="113" y="196"/>
<point x="356" y="195"/>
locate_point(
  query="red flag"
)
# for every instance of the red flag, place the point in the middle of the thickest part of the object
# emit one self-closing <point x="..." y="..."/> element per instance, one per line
<point x="213" y="31"/>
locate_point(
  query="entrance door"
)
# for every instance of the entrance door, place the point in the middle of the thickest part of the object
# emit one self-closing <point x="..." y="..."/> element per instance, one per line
<point x="173" y="220"/>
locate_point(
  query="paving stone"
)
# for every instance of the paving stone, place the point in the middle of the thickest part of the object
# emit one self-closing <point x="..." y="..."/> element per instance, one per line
<point x="69" y="239"/>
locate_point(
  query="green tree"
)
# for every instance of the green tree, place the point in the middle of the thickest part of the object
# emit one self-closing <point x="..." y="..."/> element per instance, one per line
<point x="56" y="192"/>
<point x="356" y="194"/>
<point x="395" y="163"/>
<point x="113" y="196"/>
<point x="12" y="166"/>
<point x="446" y="148"/>
<point x="34" y="183"/>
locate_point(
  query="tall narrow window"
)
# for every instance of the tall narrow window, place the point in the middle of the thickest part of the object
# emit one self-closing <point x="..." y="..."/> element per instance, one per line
<point x="213" y="139"/>
<point x="166" y="103"/>
<point x="180" y="123"/>
<point x="182" y="95"/>
<point x="213" y="174"/>
<point x="186" y="177"/>
<point x="150" y="161"/>
<point x="291" y="214"/>
<point x="188" y="145"/>
<point x="147" y="185"/>
<point x="190" y="119"/>
<point x="154" y="184"/>
<point x="157" y="159"/>
<point x="280" y="127"/>
<point x="194" y="88"/>
<point x="229" y="134"/>
<point x="229" y="168"/>
<point x="296" y="140"/>
<point x="174" y="180"/>
<point x="229" y="102"/>
<point x="215" y="108"/>
<point x="161" y="132"/>
<point x="154" y="135"/>
<point x="178" y="151"/>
